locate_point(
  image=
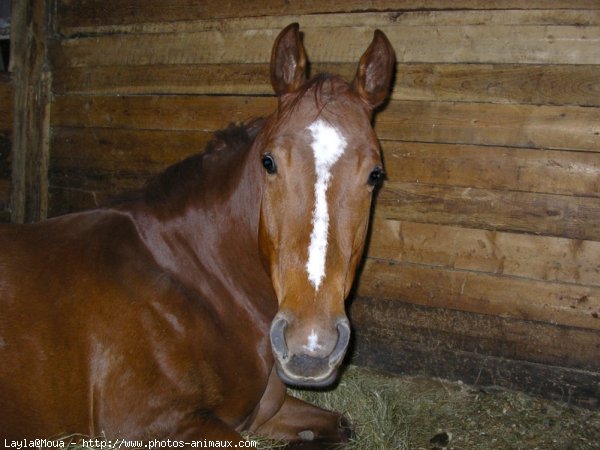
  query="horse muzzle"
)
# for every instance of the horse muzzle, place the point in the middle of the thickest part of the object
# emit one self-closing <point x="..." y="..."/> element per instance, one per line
<point x="302" y="365"/>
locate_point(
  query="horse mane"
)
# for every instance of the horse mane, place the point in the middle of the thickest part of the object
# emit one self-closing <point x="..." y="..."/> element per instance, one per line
<point x="185" y="175"/>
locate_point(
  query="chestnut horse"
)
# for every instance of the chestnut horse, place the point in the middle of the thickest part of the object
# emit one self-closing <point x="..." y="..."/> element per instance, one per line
<point x="180" y="315"/>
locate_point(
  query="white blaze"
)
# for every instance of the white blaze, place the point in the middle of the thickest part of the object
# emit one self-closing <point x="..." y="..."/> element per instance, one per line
<point x="328" y="145"/>
<point x="313" y="342"/>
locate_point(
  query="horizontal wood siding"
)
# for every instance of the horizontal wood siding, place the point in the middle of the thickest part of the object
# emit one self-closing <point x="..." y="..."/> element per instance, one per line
<point x="90" y="15"/>
<point x="491" y="209"/>
<point x="545" y="359"/>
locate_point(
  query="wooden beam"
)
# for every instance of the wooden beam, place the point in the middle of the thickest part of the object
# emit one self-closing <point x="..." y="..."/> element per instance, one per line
<point x="90" y="167"/>
<point x="84" y="16"/>
<point x="541" y="358"/>
<point x="531" y="126"/>
<point x="449" y="37"/>
<point x="494" y="83"/>
<point x="497" y="295"/>
<point x="159" y="112"/>
<point x="526" y="256"/>
<point x="29" y="39"/>
<point x="498" y="168"/>
<point x="489" y="209"/>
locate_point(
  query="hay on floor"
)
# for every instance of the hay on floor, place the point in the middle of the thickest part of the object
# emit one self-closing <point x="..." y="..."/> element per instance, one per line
<point x="416" y="413"/>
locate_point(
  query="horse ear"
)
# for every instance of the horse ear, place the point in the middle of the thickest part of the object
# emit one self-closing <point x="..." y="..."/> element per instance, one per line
<point x="288" y="61"/>
<point x="375" y="71"/>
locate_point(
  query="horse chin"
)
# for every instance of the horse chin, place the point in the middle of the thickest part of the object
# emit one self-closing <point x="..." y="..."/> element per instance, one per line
<point x="313" y="381"/>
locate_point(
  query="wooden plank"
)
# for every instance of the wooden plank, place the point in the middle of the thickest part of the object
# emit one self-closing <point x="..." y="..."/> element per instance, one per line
<point x="29" y="28"/>
<point x="245" y="79"/>
<point x="500" y="83"/>
<point x="518" y="255"/>
<point x="384" y="340"/>
<point x="499" y="295"/>
<point x="92" y="166"/>
<point x="546" y="214"/>
<point x="89" y="15"/>
<point x="495" y="83"/>
<point x="163" y="112"/>
<point x="486" y="38"/>
<point x="240" y="79"/>
<point x="500" y="168"/>
<point x="459" y="331"/>
<point x="139" y="153"/>
<point x="547" y="127"/>
<point x="556" y="127"/>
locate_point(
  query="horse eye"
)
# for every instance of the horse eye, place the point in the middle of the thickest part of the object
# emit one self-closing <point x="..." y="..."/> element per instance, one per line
<point x="376" y="177"/>
<point x="268" y="163"/>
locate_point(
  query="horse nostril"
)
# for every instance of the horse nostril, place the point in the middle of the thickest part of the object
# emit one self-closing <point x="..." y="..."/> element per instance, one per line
<point x="298" y="367"/>
<point x="277" y="334"/>
<point x="343" y="329"/>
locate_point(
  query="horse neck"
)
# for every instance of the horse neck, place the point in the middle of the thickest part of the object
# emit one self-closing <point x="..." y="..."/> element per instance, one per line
<point x="208" y="238"/>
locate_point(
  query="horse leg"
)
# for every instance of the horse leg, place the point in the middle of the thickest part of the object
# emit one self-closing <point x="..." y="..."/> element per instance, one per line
<point x="283" y="417"/>
<point x="300" y="422"/>
<point x="206" y="427"/>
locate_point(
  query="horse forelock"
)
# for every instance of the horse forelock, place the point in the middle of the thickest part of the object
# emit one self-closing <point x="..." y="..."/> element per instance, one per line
<point x="323" y="88"/>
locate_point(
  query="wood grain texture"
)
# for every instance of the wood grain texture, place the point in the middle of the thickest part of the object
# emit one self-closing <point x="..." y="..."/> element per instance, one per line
<point x="245" y="79"/>
<point x="91" y="167"/>
<point x="500" y="83"/>
<point x="466" y="37"/>
<point x="118" y="150"/>
<point x="493" y="83"/>
<point x="558" y="303"/>
<point x="547" y="214"/>
<point x="517" y="255"/>
<point x="89" y="16"/>
<point x="459" y="331"/>
<point x="545" y="127"/>
<point x="477" y="349"/>
<point x="164" y="112"/>
<point x="496" y="168"/>
<point x="29" y="43"/>
<point x="571" y="128"/>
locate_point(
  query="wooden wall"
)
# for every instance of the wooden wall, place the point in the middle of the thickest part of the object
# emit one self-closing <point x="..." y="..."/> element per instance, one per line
<point x="6" y="125"/>
<point x="484" y="263"/>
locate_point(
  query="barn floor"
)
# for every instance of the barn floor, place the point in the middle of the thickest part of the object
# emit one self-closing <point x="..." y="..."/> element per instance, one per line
<point x="416" y="413"/>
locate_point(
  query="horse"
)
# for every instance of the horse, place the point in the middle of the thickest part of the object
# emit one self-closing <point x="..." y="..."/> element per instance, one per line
<point x="182" y="314"/>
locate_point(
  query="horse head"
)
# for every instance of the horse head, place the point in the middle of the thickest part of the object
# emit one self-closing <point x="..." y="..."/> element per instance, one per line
<point x="321" y="164"/>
